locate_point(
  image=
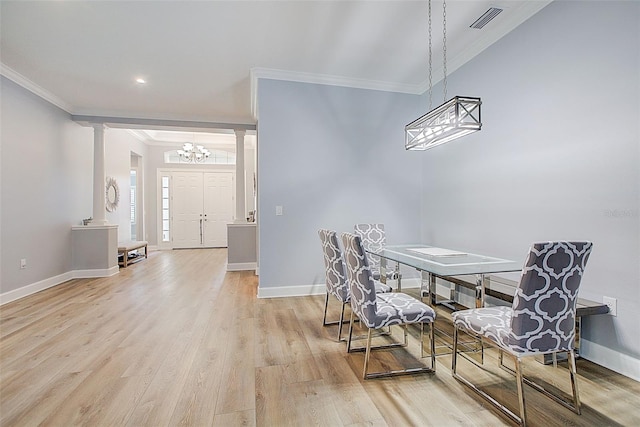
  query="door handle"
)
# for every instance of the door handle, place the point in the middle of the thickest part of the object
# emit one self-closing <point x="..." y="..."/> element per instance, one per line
<point x="201" y="241"/>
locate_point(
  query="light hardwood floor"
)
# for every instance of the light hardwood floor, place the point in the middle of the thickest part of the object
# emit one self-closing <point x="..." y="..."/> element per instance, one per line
<point x="176" y="340"/>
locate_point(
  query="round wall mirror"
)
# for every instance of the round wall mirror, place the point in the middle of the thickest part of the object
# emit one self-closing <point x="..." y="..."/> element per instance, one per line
<point x="113" y="194"/>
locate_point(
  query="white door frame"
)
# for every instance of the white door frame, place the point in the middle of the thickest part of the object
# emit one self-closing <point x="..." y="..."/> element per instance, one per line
<point x="169" y="172"/>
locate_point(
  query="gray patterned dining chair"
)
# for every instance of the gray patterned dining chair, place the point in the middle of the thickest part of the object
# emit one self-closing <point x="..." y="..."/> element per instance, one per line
<point x="540" y="321"/>
<point x="336" y="277"/>
<point x="374" y="237"/>
<point x="377" y="311"/>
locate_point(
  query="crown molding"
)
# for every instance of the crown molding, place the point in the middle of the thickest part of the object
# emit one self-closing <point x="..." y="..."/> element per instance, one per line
<point x="323" y="79"/>
<point x="122" y="120"/>
<point x="144" y="123"/>
<point x="331" y="80"/>
<point x="21" y="80"/>
<point x="140" y="136"/>
<point x="217" y="143"/>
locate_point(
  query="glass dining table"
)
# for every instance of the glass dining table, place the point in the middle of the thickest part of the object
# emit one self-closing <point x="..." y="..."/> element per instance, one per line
<point x="433" y="262"/>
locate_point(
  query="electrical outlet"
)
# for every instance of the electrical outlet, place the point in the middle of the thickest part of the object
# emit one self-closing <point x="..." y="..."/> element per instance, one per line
<point x="612" y="304"/>
<point x="23" y="263"/>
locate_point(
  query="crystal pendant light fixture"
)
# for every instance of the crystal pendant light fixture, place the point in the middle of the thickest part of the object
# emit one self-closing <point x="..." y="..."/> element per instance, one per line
<point x="193" y="153"/>
<point x="457" y="117"/>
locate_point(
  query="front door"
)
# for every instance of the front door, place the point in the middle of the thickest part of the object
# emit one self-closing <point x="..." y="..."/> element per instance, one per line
<point x="187" y="209"/>
<point x="218" y="208"/>
<point x="202" y="207"/>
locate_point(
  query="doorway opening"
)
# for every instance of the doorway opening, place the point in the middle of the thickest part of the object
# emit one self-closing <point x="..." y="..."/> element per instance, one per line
<point x="191" y="189"/>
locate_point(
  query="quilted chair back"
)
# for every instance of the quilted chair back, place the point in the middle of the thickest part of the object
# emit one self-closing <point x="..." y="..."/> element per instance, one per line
<point x="544" y="306"/>
<point x="373" y="237"/>
<point x="361" y="284"/>
<point x="336" y="276"/>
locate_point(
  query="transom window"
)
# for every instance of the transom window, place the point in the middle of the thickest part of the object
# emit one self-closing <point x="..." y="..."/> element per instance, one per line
<point x="216" y="157"/>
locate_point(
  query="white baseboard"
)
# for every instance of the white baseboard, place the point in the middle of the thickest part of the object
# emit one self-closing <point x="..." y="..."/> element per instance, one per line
<point x="407" y="283"/>
<point x="241" y="266"/>
<point x="31" y="289"/>
<point x="317" y="289"/>
<point x="292" y="291"/>
<point x="610" y="359"/>
<point x="87" y="274"/>
<point x="34" y="287"/>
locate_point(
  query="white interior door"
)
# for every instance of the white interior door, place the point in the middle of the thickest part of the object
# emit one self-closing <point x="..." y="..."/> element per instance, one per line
<point x="187" y="209"/>
<point x="218" y="207"/>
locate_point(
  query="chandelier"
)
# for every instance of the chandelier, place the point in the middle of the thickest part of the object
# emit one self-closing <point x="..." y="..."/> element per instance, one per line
<point x="455" y="118"/>
<point x="193" y="153"/>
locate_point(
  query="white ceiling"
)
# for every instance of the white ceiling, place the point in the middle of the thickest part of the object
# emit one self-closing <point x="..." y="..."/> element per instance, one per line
<point x="197" y="56"/>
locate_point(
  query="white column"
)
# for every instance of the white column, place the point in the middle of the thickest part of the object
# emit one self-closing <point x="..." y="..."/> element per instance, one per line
<point x="99" y="178"/>
<point x="241" y="213"/>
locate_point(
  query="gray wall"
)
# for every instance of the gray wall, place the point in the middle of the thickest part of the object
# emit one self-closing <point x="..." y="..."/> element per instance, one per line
<point x="557" y="158"/>
<point x="332" y="157"/>
<point x="46" y="186"/>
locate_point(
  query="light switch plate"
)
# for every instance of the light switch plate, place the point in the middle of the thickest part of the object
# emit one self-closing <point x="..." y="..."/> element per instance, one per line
<point x="278" y="210"/>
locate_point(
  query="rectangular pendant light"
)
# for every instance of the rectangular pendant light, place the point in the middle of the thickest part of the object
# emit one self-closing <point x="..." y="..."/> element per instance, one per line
<point x="457" y="117"/>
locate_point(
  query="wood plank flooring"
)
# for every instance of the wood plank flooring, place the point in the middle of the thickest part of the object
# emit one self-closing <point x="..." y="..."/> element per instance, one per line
<point x="176" y="340"/>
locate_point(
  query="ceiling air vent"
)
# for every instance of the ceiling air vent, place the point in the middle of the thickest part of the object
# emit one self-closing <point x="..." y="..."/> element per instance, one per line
<point x="486" y="17"/>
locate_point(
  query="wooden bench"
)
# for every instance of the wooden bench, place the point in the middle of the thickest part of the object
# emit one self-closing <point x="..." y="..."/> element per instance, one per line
<point x="125" y="248"/>
<point x="503" y="289"/>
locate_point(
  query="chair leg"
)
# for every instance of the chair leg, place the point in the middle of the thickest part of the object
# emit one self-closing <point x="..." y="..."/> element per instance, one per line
<point x="350" y="332"/>
<point x="422" y="369"/>
<point x="573" y="403"/>
<point x="351" y="349"/>
<point x="432" y="345"/>
<point x="341" y="321"/>
<point x="366" y="355"/>
<point x="326" y="305"/>
<point x="406" y="341"/>
<point x="520" y="384"/>
<point x="454" y="351"/>
<point x="421" y="339"/>
<point x="334" y="322"/>
<point x="454" y="362"/>
<point x="574" y="382"/>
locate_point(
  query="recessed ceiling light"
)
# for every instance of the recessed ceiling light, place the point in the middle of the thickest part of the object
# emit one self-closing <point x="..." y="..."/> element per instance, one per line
<point x="140" y="80"/>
